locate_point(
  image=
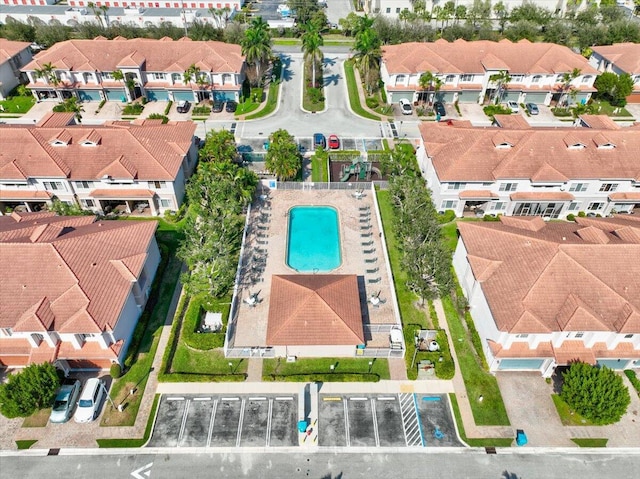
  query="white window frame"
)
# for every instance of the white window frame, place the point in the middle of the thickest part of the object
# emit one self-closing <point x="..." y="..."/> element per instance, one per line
<point x="595" y="206"/>
<point x="456" y="186"/>
<point x="605" y="187"/>
<point x="466" y="78"/>
<point x="449" y="204"/>
<point x="574" y="206"/>
<point x="54" y="185"/>
<point x="579" y="187"/>
<point x="508" y="187"/>
<point x="166" y="203"/>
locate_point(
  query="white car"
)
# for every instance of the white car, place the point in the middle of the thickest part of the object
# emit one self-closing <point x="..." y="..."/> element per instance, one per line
<point x="405" y="106"/>
<point x="90" y="400"/>
<point x="513" y="105"/>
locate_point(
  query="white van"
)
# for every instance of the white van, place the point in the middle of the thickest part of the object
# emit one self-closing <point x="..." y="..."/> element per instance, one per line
<point x="90" y="400"/>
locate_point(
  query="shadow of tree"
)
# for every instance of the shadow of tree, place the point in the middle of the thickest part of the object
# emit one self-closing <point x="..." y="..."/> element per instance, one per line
<point x="331" y="79"/>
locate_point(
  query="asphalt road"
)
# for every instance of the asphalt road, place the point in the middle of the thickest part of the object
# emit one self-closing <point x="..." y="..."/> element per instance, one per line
<point x="544" y="464"/>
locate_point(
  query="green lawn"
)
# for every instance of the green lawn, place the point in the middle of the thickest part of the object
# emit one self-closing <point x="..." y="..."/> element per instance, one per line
<point x="17" y="104"/>
<point x="25" y="443"/>
<point x="319" y="369"/>
<point x="308" y="102"/>
<point x="482" y="442"/>
<point x="567" y="415"/>
<point x="272" y="96"/>
<point x="591" y="442"/>
<point x="603" y="107"/>
<point x="413" y="318"/>
<point x="319" y="168"/>
<point x="131" y="442"/>
<point x="354" y="98"/>
<point x="149" y="329"/>
<point x="450" y="234"/>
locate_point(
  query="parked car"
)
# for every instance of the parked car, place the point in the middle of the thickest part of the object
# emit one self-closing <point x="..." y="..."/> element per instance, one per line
<point x="439" y="108"/>
<point x="183" y="106"/>
<point x="334" y="142"/>
<point x="405" y="106"/>
<point x="513" y="106"/>
<point x="231" y="107"/>
<point x="532" y="108"/>
<point x="90" y="400"/>
<point x="65" y="401"/>
<point x="218" y="106"/>
<point x="319" y="140"/>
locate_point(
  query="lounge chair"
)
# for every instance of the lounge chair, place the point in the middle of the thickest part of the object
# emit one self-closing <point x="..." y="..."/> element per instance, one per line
<point x="369" y="251"/>
<point x="374" y="270"/>
<point x="260" y="251"/>
<point x="262" y="235"/>
<point x="371" y="260"/>
<point x="375" y="280"/>
<point x="364" y="208"/>
<point x="364" y="220"/>
<point x="262" y="228"/>
<point x="364" y="228"/>
<point x="366" y="235"/>
<point x="262" y="242"/>
<point x="367" y="243"/>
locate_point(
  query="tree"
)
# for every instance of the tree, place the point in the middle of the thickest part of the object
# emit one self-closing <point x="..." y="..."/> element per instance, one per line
<point x="479" y="13"/>
<point x="70" y="105"/>
<point x="256" y="45"/>
<point x="193" y="74"/>
<point x="18" y="31"/>
<point x="97" y="11"/>
<point x="367" y="52"/>
<point x="31" y="389"/>
<point x="596" y="393"/>
<point x="565" y="87"/>
<point x="48" y="73"/>
<point x="283" y="158"/>
<point x="502" y="14"/>
<point x="614" y="88"/>
<point x="311" y="43"/>
<point x="499" y="80"/>
<point x="460" y="13"/>
<point x="219" y="146"/>
<point x="304" y="9"/>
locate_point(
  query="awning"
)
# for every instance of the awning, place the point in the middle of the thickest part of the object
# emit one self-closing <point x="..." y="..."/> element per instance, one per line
<point x="625" y="197"/>
<point x="122" y="194"/>
<point x="542" y="196"/>
<point x="24" y="195"/>
<point x="477" y="195"/>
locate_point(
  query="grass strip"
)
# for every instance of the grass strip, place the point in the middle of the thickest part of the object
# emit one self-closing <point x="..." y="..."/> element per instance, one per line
<point x="568" y="416"/>
<point x="25" y="443"/>
<point x="480" y="442"/>
<point x="354" y="97"/>
<point x="272" y="96"/>
<point x="111" y="443"/>
<point x="590" y="442"/>
<point x="320" y="369"/>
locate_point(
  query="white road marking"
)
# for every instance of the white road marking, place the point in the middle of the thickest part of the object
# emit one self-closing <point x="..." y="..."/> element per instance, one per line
<point x="375" y="422"/>
<point x="211" y="421"/>
<point x="239" y="435"/>
<point x="142" y="472"/>
<point x="346" y="422"/>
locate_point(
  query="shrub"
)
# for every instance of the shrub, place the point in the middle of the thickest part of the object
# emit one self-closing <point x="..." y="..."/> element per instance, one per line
<point x="31" y="389"/>
<point x="201" y="111"/>
<point x="596" y="393"/>
<point x="571" y="217"/>
<point x="168" y="108"/>
<point x="144" y="100"/>
<point x="446" y="216"/>
<point x="491" y="110"/>
<point x="372" y="102"/>
<point x="581" y="214"/>
<point x="133" y="109"/>
<point x="158" y="116"/>
<point x="562" y="112"/>
<point x="315" y="95"/>
<point x="115" y="371"/>
<point x="634" y="379"/>
<point x="491" y="218"/>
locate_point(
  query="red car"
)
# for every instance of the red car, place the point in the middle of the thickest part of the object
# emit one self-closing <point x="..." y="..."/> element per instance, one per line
<point x="334" y="142"/>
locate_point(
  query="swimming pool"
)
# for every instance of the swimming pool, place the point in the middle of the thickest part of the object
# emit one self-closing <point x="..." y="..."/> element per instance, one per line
<point x="314" y="239"/>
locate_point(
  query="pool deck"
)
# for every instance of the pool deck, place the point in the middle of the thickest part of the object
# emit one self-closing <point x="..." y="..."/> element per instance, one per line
<point x="265" y="256"/>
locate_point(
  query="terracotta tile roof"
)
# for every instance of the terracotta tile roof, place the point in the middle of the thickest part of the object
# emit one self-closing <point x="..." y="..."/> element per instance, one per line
<point x="625" y="197"/>
<point x="156" y="55"/>
<point x="459" y="153"/>
<point x="539" y="280"/>
<point x="314" y="310"/>
<point x="9" y="49"/>
<point x="19" y="195"/>
<point x="541" y="196"/>
<point x="482" y="194"/>
<point x="626" y="56"/>
<point x="573" y="351"/>
<point x="521" y="350"/>
<point x="569" y="351"/>
<point x="461" y="56"/>
<point x="89" y="350"/>
<point x="122" y="193"/>
<point x="512" y="122"/>
<point x="145" y="151"/>
<point x="599" y="122"/>
<point x="83" y="291"/>
<point x="57" y="120"/>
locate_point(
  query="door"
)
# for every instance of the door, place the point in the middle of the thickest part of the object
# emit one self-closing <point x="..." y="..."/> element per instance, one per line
<point x="115" y="95"/>
<point x="183" y="96"/>
<point x="89" y="95"/>
<point x="157" y="95"/>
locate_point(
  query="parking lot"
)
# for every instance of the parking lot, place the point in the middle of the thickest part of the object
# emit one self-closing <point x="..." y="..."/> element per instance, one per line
<point x="260" y="145"/>
<point x="394" y="420"/>
<point x="229" y="421"/>
<point x="402" y="420"/>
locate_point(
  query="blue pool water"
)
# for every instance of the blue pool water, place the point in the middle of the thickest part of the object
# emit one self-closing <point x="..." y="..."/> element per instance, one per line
<point x="314" y="239"/>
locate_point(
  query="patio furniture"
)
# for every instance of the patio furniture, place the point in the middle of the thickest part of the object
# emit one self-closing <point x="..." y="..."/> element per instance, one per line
<point x="364" y="228"/>
<point x="373" y="270"/>
<point x="260" y="250"/>
<point x="364" y="220"/>
<point x="364" y="208"/>
<point x="262" y="242"/>
<point x="366" y="235"/>
<point x="367" y="243"/>
<point x="369" y="251"/>
<point x="371" y="260"/>
<point x="374" y="280"/>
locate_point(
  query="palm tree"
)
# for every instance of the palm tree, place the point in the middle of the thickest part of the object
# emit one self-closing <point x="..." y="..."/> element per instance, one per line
<point x="97" y="12"/>
<point x="105" y="9"/>
<point x="256" y="44"/>
<point x="566" y="87"/>
<point x="49" y="75"/>
<point x="499" y="80"/>
<point x="425" y="82"/>
<point x="311" y="43"/>
<point x="119" y="76"/>
<point x="193" y="75"/>
<point x="367" y="56"/>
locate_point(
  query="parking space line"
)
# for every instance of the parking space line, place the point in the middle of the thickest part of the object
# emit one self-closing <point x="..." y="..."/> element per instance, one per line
<point x="375" y="422"/>
<point x="184" y="421"/>
<point x="331" y="399"/>
<point x="268" y="438"/>
<point x="175" y="399"/>
<point x="358" y="399"/>
<point x="410" y="422"/>
<point x="415" y="402"/>
<point x="387" y="399"/>
<point x="284" y="399"/>
<point x="239" y="435"/>
<point x="258" y="399"/>
<point x="201" y="399"/>
<point x="230" y="399"/>
<point x="346" y="422"/>
<point x="211" y="421"/>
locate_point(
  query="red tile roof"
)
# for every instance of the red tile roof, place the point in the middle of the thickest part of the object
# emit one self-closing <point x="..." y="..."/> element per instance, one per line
<point x="163" y="55"/>
<point x="559" y="277"/>
<point x="9" y="49"/>
<point x="116" y="193"/>
<point x="314" y="310"/>
<point x="461" y="56"/>
<point x="144" y="151"/>
<point x="66" y="281"/>
<point x="626" y="56"/>
<point x="462" y="153"/>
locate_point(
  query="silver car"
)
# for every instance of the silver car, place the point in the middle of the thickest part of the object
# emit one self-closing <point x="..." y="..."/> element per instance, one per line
<point x="65" y="401"/>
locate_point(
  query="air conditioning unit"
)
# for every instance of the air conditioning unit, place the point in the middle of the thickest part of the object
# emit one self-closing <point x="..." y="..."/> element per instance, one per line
<point x="291" y="359"/>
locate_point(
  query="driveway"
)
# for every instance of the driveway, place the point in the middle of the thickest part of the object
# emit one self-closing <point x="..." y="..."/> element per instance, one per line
<point x="337" y="9"/>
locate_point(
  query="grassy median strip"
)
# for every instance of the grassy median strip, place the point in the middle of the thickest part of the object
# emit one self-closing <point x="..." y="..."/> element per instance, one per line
<point x="272" y="96"/>
<point x="326" y="370"/>
<point x="109" y="443"/>
<point x="482" y="442"/>
<point x="591" y="442"/>
<point x="354" y="97"/>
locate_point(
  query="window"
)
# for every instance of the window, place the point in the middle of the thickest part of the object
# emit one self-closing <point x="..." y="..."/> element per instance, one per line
<point x="466" y="78"/>
<point x="487" y="184"/>
<point x="522" y="336"/>
<point x="499" y="206"/>
<point x="636" y="79"/>
<point x="157" y="184"/>
<point x="84" y="185"/>
<point x="158" y="76"/>
<point x="449" y="78"/>
<point x="508" y="186"/>
<point x="166" y="203"/>
<point x="595" y="206"/>
<point x="53" y="185"/>
<point x="397" y="10"/>
<point x="536" y="79"/>
<point x="586" y="79"/>
<point x="574" y="205"/>
<point x="88" y="203"/>
<point x="578" y="335"/>
<point x="578" y="187"/>
<point x="449" y="204"/>
<point x="628" y="336"/>
<point x="400" y="79"/>
<point x="455" y="186"/>
<point x="107" y="75"/>
<point x="609" y="187"/>
<point x="388" y="10"/>
<point x="517" y="78"/>
<point x="6" y="332"/>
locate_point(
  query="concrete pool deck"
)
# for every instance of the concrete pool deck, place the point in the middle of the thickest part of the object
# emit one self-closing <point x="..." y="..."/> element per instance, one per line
<point x="265" y="255"/>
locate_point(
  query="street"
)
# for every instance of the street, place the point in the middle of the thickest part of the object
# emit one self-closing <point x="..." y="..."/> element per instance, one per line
<point x="387" y="463"/>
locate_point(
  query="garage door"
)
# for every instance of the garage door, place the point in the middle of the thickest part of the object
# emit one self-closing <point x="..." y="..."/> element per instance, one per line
<point x="511" y="96"/>
<point x="115" y="95"/>
<point x="89" y="95"/>
<point x="183" y="96"/>
<point x="613" y="363"/>
<point x="537" y="98"/>
<point x="468" y="96"/>
<point x="157" y="95"/>
<point x="520" y="364"/>
<point x="224" y="95"/>
<point x="396" y="96"/>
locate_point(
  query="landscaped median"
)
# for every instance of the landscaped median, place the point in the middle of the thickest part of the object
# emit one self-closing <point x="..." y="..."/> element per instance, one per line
<point x="326" y="370"/>
<point x="354" y="96"/>
<point x="272" y="96"/>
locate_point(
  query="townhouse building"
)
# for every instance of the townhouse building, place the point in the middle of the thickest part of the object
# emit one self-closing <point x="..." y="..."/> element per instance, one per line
<point x="13" y="55"/>
<point x="544" y="295"/>
<point x="73" y="288"/>
<point x="464" y="70"/>
<point x="118" y="167"/>
<point x="517" y="170"/>
<point x="619" y="58"/>
<point x="231" y="5"/>
<point x="155" y="69"/>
